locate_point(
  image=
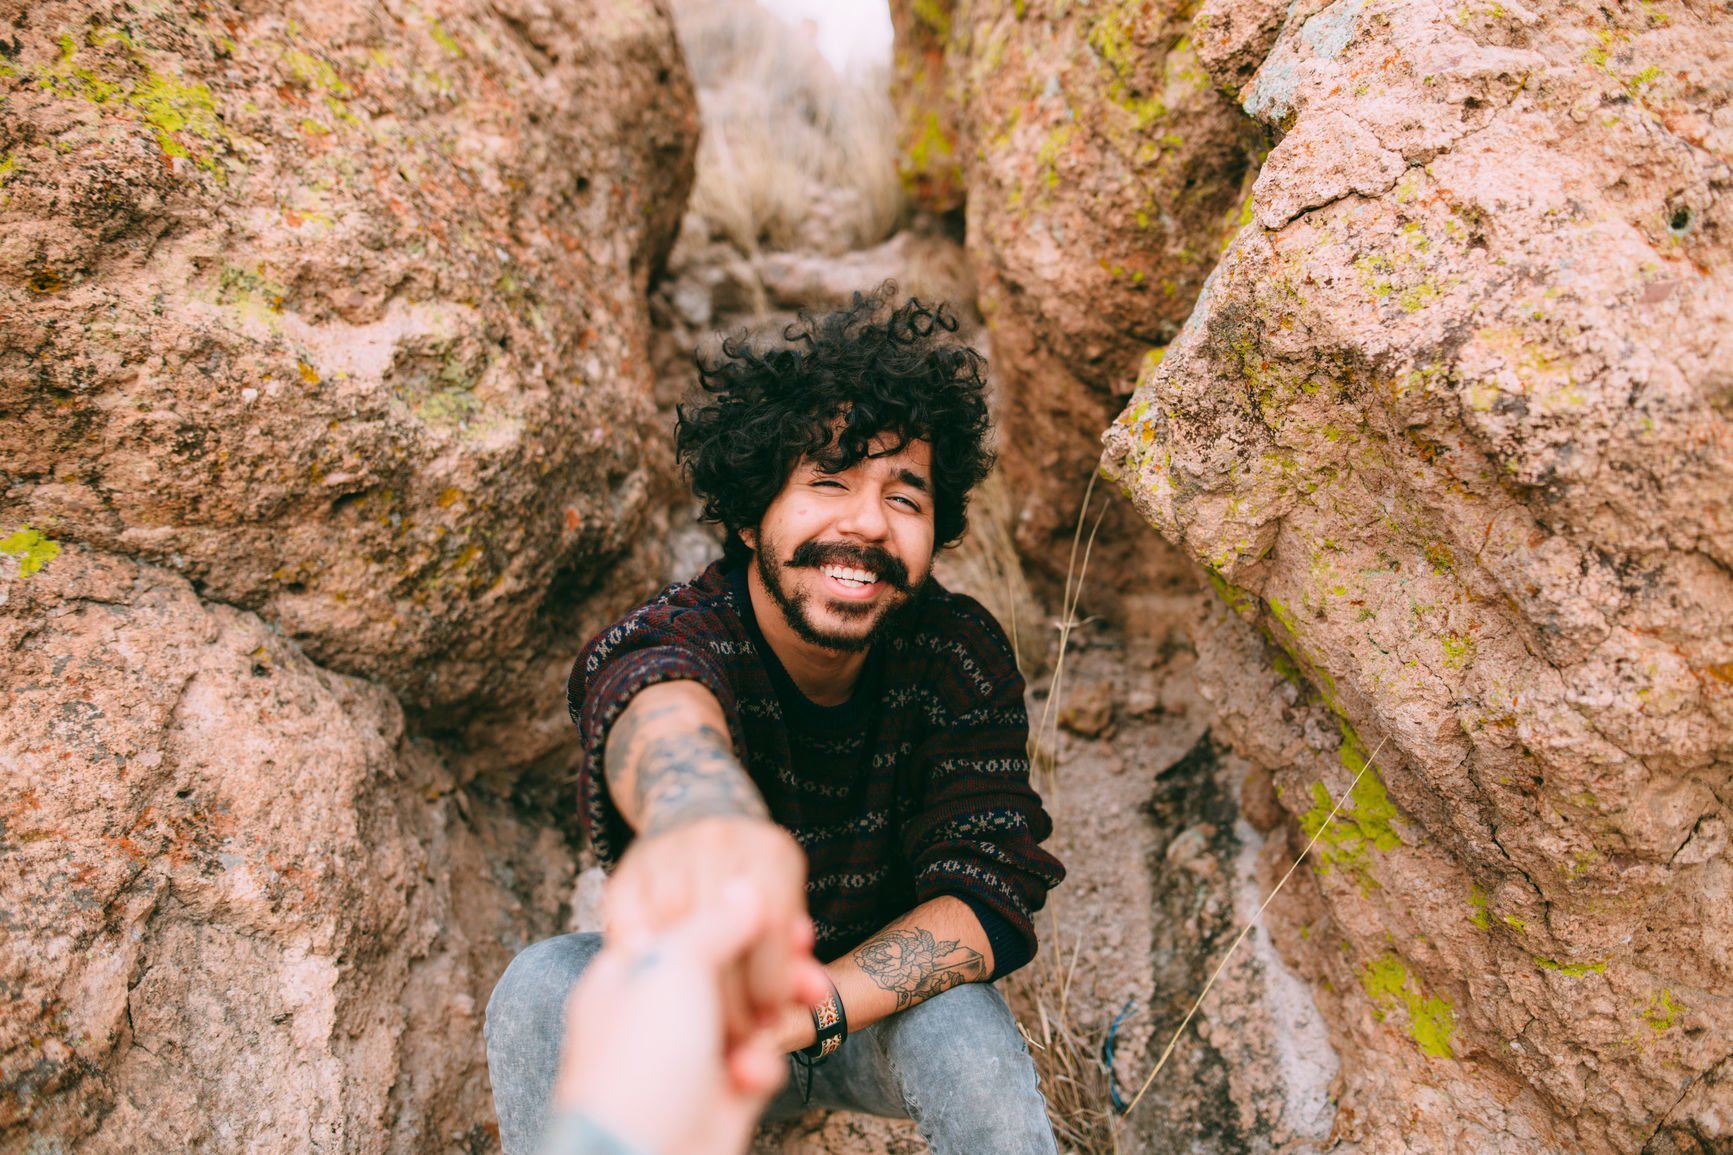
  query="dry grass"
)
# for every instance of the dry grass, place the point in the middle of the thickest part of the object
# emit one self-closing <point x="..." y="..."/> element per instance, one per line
<point x="986" y="567"/>
<point x="1072" y="1075"/>
<point x="792" y="155"/>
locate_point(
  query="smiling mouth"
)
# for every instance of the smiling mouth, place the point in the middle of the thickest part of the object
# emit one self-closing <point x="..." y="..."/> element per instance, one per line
<point x="850" y="577"/>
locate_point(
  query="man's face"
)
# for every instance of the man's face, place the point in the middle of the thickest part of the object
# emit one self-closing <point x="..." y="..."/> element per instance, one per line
<point x="840" y="551"/>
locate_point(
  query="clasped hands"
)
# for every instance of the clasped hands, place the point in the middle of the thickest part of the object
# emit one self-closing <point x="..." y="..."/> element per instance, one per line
<point x="676" y="1035"/>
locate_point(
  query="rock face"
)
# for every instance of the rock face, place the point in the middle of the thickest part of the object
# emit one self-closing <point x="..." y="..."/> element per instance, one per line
<point x="339" y="315"/>
<point x="1449" y="426"/>
<point x="324" y="379"/>
<point x="1103" y="171"/>
<point x="243" y="911"/>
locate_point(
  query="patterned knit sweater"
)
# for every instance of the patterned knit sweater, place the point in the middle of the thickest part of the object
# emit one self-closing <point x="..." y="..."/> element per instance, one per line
<point x="916" y="787"/>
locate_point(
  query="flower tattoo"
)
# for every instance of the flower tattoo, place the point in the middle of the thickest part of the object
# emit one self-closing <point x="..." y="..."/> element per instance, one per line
<point x="914" y="965"/>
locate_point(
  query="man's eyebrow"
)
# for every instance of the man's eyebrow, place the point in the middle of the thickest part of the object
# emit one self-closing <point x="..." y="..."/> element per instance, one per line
<point x="913" y="480"/>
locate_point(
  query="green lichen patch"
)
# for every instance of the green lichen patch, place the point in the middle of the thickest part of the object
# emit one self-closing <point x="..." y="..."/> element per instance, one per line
<point x="1047" y="156"/>
<point x="1365" y="822"/>
<point x="439" y="382"/>
<point x="1431" y="1019"/>
<point x="936" y="15"/>
<point x="1662" y="1012"/>
<point x="446" y="41"/>
<point x="931" y="146"/>
<point x="1242" y="602"/>
<point x="117" y="74"/>
<point x="31" y="548"/>
<point x="1477" y="903"/>
<point x="1569" y="970"/>
<point x="1458" y="650"/>
<point x="319" y="76"/>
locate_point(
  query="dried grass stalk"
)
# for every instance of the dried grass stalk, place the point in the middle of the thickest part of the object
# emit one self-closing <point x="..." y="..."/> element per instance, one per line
<point x="792" y="154"/>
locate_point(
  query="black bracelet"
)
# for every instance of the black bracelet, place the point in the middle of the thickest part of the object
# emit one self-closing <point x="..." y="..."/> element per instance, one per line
<point x="831" y="1023"/>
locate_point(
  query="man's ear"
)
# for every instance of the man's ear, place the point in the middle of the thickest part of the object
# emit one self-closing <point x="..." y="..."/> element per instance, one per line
<point x="749" y="538"/>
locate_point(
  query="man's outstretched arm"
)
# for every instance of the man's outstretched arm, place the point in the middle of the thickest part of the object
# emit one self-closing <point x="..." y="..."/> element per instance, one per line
<point x="668" y="761"/>
<point x="700" y="823"/>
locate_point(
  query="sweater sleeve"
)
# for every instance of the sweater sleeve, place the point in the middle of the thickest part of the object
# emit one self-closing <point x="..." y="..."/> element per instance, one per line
<point x="977" y="830"/>
<point x="644" y="649"/>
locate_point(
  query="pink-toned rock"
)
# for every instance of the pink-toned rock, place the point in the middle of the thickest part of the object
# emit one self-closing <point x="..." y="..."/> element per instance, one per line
<point x="930" y="159"/>
<point x="1232" y="37"/>
<point x="243" y="910"/>
<point x="338" y="311"/>
<point x="1103" y="172"/>
<point x="324" y="376"/>
<point x="1450" y="426"/>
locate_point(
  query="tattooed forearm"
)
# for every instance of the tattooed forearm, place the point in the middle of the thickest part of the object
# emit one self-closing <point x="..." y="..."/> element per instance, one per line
<point x="915" y="965"/>
<point x="673" y="772"/>
<point x="692" y="775"/>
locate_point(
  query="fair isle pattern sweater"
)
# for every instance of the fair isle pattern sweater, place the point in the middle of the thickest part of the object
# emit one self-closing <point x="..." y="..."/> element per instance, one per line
<point x="917" y="787"/>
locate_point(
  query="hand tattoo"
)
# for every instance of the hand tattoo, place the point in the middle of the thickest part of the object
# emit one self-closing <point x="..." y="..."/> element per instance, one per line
<point x="915" y="965"/>
<point x="678" y="777"/>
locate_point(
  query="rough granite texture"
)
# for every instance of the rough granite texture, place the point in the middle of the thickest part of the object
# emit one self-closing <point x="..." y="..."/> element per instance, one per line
<point x="930" y="159"/>
<point x="1449" y="426"/>
<point x="243" y="911"/>
<point x="329" y="436"/>
<point x="339" y="313"/>
<point x="1103" y="172"/>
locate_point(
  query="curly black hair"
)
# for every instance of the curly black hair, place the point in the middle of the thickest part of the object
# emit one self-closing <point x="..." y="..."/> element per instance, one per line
<point x="874" y="368"/>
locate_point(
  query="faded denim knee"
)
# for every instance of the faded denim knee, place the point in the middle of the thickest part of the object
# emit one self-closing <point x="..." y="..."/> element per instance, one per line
<point x="525" y="1023"/>
<point x="965" y="1075"/>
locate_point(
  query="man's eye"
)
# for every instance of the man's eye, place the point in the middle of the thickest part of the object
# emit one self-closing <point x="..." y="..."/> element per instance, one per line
<point x="908" y="501"/>
<point x="828" y="481"/>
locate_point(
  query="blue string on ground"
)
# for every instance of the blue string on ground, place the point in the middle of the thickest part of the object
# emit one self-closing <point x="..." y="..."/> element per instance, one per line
<point x="1119" y="1104"/>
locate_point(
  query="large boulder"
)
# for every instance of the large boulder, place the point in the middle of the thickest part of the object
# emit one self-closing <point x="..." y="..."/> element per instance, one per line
<point x="1103" y="171"/>
<point x="243" y="911"/>
<point x="338" y="310"/>
<point x="1449" y="426"/>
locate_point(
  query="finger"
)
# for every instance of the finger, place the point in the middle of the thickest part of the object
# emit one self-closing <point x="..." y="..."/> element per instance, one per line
<point x="767" y="977"/>
<point x="625" y="911"/>
<point x="756" y="1066"/>
<point x="808" y="982"/>
<point x="739" y="1017"/>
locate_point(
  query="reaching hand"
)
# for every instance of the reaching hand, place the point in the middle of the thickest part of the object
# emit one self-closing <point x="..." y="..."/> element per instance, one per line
<point x="645" y="1053"/>
<point x="665" y="878"/>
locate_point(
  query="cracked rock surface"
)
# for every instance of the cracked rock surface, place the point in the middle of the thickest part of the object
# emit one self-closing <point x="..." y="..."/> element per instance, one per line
<point x="328" y="437"/>
<point x="1103" y="172"/>
<point x="339" y="312"/>
<point x="242" y="909"/>
<point x="1449" y="427"/>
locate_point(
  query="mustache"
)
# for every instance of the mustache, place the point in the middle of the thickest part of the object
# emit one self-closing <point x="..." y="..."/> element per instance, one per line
<point x="868" y="557"/>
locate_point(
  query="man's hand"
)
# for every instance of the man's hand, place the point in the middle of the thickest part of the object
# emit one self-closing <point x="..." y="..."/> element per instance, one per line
<point x="684" y="871"/>
<point x="644" y="1054"/>
<point x="701" y="824"/>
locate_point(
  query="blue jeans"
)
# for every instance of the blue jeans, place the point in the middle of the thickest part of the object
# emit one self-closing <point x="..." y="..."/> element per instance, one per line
<point x="955" y="1064"/>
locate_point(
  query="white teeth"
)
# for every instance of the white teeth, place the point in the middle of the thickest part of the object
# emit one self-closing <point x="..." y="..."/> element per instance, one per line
<point x="851" y="575"/>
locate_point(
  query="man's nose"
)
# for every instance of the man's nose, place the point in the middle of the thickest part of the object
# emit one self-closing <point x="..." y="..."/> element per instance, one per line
<point x="865" y="515"/>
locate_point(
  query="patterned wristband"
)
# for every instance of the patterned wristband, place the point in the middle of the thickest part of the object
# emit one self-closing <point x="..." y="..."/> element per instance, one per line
<point x="831" y="1024"/>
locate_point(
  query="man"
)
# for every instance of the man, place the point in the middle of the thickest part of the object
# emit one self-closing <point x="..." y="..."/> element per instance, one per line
<point x="815" y="715"/>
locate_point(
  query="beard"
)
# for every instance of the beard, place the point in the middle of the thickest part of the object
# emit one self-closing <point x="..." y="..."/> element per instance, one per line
<point x="877" y="617"/>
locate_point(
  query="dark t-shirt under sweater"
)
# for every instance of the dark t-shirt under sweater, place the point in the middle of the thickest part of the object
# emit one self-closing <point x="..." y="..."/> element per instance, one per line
<point x="916" y="787"/>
